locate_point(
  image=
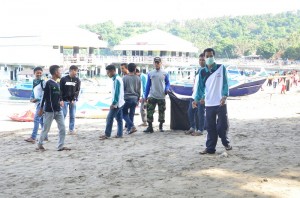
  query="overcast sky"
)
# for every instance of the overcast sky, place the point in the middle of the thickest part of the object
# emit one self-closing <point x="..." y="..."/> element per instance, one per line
<point x="74" y="12"/>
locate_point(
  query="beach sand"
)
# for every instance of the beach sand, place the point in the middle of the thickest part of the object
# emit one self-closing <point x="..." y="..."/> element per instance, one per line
<point x="265" y="160"/>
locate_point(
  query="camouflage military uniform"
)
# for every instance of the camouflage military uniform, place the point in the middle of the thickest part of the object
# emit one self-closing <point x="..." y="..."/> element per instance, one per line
<point x="151" y="108"/>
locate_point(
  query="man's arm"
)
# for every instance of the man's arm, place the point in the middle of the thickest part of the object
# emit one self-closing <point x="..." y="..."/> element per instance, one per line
<point x="77" y="91"/>
<point x="225" y="83"/>
<point x="139" y="88"/>
<point x="167" y="82"/>
<point x="62" y="87"/>
<point x="46" y="94"/>
<point x="117" y="92"/>
<point x="148" y="85"/>
<point x="199" y="89"/>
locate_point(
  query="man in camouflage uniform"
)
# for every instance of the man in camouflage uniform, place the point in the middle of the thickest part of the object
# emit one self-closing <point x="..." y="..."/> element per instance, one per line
<point x="157" y="88"/>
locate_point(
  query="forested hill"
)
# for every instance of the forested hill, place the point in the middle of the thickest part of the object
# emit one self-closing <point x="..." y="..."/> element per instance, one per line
<point x="269" y="35"/>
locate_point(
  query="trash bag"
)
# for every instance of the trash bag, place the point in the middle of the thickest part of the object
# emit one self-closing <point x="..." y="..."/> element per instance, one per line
<point x="179" y="112"/>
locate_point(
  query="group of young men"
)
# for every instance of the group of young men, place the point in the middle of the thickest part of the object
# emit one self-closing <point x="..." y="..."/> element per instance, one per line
<point x="126" y="95"/>
<point x="208" y="100"/>
<point x="53" y="100"/>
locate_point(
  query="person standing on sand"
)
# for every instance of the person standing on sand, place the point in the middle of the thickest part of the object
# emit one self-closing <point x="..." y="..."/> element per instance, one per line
<point x="36" y="97"/>
<point x="53" y="103"/>
<point x="212" y="91"/>
<point x="132" y="93"/>
<point x="157" y="88"/>
<point x="69" y="90"/>
<point x="116" y="106"/>
<point x="201" y="107"/>
<point x="143" y="111"/>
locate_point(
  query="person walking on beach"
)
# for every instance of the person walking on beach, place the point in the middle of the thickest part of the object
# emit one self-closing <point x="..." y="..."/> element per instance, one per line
<point x="36" y="97"/>
<point x="212" y="91"/>
<point x="116" y="107"/>
<point x="143" y="111"/>
<point x="275" y="80"/>
<point x="192" y="112"/>
<point x="132" y="93"/>
<point x="124" y="69"/>
<point x="53" y="103"/>
<point x="69" y="90"/>
<point x="157" y="88"/>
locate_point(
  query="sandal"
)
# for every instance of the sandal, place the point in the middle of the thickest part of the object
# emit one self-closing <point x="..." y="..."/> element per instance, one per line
<point x="103" y="137"/>
<point x="40" y="148"/>
<point x="64" y="149"/>
<point x="206" y="152"/>
<point x="197" y="134"/>
<point x="116" y="136"/>
<point x="30" y="140"/>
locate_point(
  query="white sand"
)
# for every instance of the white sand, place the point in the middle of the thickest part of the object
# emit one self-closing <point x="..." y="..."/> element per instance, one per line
<point x="264" y="162"/>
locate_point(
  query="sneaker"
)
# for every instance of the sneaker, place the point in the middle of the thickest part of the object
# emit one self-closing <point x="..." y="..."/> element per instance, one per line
<point x="206" y="152"/>
<point x="190" y="131"/>
<point x="228" y="147"/>
<point x="197" y="133"/>
<point x="148" y="130"/>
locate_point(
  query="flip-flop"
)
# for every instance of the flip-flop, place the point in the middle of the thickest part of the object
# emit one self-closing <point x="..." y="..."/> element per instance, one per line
<point x="103" y="137"/>
<point x="116" y="136"/>
<point x="40" y="148"/>
<point x="64" y="149"/>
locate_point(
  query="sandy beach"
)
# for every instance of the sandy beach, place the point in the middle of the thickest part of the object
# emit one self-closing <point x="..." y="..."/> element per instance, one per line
<point x="265" y="160"/>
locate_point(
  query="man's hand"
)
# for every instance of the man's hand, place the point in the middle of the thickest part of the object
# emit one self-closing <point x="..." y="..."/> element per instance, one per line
<point x="202" y="101"/>
<point x="223" y="100"/>
<point x="33" y="100"/>
<point x="194" y="104"/>
<point x="41" y="111"/>
<point x="112" y="107"/>
<point x="61" y="103"/>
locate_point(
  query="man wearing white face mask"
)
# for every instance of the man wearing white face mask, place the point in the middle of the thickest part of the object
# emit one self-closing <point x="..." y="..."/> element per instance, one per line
<point x="212" y="91"/>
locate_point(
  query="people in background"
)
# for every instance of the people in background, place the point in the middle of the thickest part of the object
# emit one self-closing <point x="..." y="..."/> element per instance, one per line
<point x="36" y="98"/>
<point x="156" y="90"/>
<point x="53" y="103"/>
<point x="116" y="107"/>
<point x="132" y="93"/>
<point x="69" y="90"/>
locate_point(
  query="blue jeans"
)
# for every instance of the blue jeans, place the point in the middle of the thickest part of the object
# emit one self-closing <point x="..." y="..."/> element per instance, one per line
<point x="201" y="116"/>
<point x="72" y="112"/>
<point x="38" y="120"/>
<point x="129" y="105"/>
<point x="118" y="114"/>
<point x="217" y="125"/>
<point x="59" y="118"/>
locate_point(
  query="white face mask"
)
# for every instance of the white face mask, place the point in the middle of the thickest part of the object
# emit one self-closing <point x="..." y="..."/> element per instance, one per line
<point x="210" y="60"/>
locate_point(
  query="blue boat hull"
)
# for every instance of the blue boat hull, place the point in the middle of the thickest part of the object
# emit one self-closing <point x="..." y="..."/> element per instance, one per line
<point x="239" y="90"/>
<point x="21" y="93"/>
<point x="246" y="88"/>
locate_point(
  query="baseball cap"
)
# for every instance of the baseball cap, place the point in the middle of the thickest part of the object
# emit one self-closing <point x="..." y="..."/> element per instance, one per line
<point x="157" y="59"/>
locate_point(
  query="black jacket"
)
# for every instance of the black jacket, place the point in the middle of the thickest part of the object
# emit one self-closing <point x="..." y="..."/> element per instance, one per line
<point x="69" y="88"/>
<point x="51" y="97"/>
